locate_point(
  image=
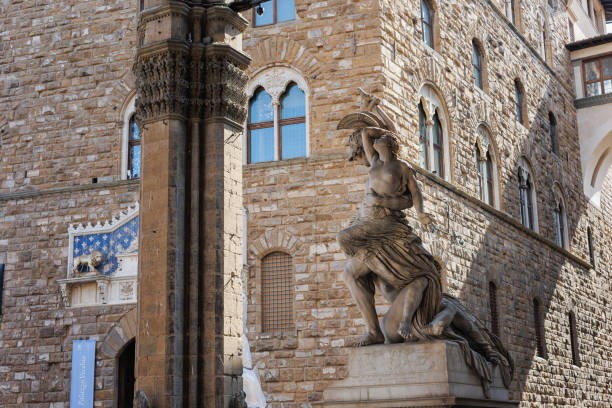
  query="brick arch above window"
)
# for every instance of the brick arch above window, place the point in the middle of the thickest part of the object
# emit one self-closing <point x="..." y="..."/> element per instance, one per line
<point x="283" y="52"/>
<point x="272" y="241"/>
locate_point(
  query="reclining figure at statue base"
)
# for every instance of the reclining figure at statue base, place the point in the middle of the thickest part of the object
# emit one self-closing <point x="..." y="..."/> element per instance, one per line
<point x="384" y="252"/>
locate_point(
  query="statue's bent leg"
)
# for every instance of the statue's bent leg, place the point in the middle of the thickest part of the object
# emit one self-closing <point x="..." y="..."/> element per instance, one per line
<point x="465" y="324"/>
<point x="358" y="279"/>
<point x="397" y="323"/>
<point x="441" y="321"/>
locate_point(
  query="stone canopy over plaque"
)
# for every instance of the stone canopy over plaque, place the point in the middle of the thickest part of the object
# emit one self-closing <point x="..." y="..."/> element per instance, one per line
<point x="102" y="262"/>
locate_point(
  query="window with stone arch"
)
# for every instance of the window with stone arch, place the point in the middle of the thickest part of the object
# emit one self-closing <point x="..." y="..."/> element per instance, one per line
<point x="277" y="125"/>
<point x="543" y="37"/>
<point x="130" y="143"/>
<point x="429" y="24"/>
<point x="277" y="292"/>
<point x="486" y="166"/>
<point x="520" y="105"/>
<point x="527" y="195"/>
<point x="479" y="64"/>
<point x="553" y="133"/>
<point x="560" y="217"/>
<point x="274" y="11"/>
<point x="512" y="10"/>
<point x="434" y="141"/>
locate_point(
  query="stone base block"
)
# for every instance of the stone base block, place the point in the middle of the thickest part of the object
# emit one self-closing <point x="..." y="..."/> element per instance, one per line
<point x="425" y="374"/>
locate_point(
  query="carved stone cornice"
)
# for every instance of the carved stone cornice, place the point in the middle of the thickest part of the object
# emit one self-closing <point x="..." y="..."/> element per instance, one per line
<point x="162" y="80"/>
<point x="226" y="79"/>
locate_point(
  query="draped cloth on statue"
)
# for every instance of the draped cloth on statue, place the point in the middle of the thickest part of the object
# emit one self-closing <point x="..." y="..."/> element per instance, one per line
<point x="382" y="239"/>
<point x="473" y="352"/>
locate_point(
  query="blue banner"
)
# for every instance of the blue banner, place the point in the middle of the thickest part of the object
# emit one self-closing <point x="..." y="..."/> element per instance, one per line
<point x="82" y="378"/>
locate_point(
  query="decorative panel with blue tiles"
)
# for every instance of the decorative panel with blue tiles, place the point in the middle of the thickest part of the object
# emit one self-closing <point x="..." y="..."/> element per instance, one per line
<point x="115" y="237"/>
<point x="123" y="240"/>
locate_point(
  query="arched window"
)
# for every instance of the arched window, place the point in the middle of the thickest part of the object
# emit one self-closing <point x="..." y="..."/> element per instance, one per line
<point x="277" y="127"/>
<point x="438" y="147"/>
<point x="274" y="11"/>
<point x="277" y="292"/>
<point x="292" y="123"/>
<point x="493" y="308"/>
<point x="590" y="245"/>
<point x="552" y="132"/>
<point x="130" y="142"/>
<point x="560" y="218"/>
<point x="539" y="329"/>
<point x="433" y="133"/>
<point x="519" y="102"/>
<point x="574" y="339"/>
<point x="260" y="129"/>
<point x="487" y="169"/>
<point x="542" y="36"/>
<point x="527" y="196"/>
<point x="427" y="23"/>
<point x="423" y="137"/>
<point x="134" y="152"/>
<point x="478" y="62"/>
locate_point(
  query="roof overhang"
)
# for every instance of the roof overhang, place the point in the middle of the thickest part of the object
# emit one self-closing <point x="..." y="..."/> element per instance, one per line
<point x="590" y="42"/>
<point x="607" y="5"/>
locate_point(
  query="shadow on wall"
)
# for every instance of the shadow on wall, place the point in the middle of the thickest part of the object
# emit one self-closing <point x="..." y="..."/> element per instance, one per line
<point x="526" y="273"/>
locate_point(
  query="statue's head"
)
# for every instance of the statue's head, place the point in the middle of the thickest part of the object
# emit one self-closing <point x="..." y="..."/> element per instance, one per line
<point x="390" y="142"/>
<point x="356" y="152"/>
<point x="96" y="258"/>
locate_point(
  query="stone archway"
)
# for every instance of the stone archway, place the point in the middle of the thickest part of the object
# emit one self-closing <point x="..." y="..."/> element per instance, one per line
<point x="120" y="346"/>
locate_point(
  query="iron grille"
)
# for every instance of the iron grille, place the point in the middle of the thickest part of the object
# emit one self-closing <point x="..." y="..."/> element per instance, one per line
<point x="277" y="292"/>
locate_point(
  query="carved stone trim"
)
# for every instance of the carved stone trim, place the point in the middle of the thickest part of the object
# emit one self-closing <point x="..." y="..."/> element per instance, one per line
<point x="226" y="15"/>
<point x="224" y="92"/>
<point x="162" y="80"/>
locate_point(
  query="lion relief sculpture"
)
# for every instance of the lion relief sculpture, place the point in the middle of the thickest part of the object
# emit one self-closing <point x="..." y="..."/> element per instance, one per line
<point x="87" y="263"/>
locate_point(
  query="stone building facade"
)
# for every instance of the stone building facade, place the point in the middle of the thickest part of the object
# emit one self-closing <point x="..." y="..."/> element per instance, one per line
<point x="66" y="94"/>
<point x="297" y="206"/>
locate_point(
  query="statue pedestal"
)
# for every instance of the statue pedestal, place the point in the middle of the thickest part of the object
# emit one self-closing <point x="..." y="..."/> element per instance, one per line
<point x="426" y="374"/>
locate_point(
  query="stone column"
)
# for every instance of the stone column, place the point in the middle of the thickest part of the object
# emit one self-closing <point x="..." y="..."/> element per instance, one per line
<point x="191" y="104"/>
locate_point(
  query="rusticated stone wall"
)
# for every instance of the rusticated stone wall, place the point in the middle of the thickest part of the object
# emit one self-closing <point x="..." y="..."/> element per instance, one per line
<point x="65" y="77"/>
<point x="36" y="330"/>
<point x="307" y="201"/>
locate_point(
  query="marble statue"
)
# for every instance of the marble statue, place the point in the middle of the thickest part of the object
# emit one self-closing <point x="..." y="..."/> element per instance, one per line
<point x="384" y="253"/>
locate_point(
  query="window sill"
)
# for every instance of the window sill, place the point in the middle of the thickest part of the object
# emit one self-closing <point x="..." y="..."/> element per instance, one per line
<point x="589" y="101"/>
<point x="295" y="161"/>
<point x="277" y="24"/>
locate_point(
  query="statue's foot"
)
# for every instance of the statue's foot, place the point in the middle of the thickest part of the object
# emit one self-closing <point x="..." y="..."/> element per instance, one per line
<point x="434" y="329"/>
<point x="405" y="330"/>
<point x="370" y="338"/>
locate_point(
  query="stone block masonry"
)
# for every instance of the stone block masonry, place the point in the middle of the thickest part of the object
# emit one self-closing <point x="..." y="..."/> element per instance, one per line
<point x="377" y="46"/>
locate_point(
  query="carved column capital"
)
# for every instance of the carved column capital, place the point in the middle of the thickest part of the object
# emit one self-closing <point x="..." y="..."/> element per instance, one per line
<point x="162" y="81"/>
<point x="225" y="95"/>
